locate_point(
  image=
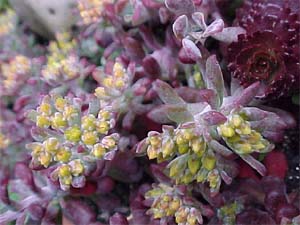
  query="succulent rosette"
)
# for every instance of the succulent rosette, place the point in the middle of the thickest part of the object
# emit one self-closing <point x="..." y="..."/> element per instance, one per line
<point x="268" y="52"/>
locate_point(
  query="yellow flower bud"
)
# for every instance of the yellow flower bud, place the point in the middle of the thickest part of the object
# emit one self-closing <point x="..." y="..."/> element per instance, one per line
<point x="118" y="70"/>
<point x="73" y="134"/>
<point x="70" y="111"/>
<point x="258" y="146"/>
<point x="235" y="138"/>
<point x="108" y="82"/>
<point x="64" y="171"/>
<point x="100" y="92"/>
<point x="60" y="104"/>
<point x="180" y="140"/>
<point x="88" y="122"/>
<point x="194" y="165"/>
<point x="198" y="146"/>
<point x="77" y="167"/>
<point x="191" y="220"/>
<point x="58" y="121"/>
<point x="103" y="127"/>
<point x="188" y="134"/>
<point x="213" y="179"/>
<point x="187" y="178"/>
<point x="63" y="155"/>
<point x="245" y="129"/>
<point x="109" y="142"/>
<point x="51" y="145"/>
<point x="155" y="141"/>
<point x="42" y="121"/>
<point x="45" y="108"/>
<point x="167" y="148"/>
<point x="226" y="131"/>
<point x="181" y="215"/>
<point x="209" y="162"/>
<point x="175" y="204"/>
<point x="151" y="152"/>
<point x="98" y="150"/>
<point x="89" y="138"/>
<point x="119" y="83"/>
<point x="37" y="148"/>
<point x="236" y="120"/>
<point x="245" y="148"/>
<point x="45" y="159"/>
<point x="104" y="115"/>
<point x="183" y="148"/>
<point x="67" y="180"/>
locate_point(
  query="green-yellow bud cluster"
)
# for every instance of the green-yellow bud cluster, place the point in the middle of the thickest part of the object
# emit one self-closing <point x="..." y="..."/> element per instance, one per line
<point x="168" y="203"/>
<point x="239" y="136"/>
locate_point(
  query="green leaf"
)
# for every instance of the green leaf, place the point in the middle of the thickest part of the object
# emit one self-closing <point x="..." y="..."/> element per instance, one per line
<point x="178" y="114"/>
<point x="214" y="79"/>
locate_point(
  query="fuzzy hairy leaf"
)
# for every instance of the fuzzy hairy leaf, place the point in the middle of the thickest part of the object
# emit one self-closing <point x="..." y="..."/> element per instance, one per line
<point x="214" y="78"/>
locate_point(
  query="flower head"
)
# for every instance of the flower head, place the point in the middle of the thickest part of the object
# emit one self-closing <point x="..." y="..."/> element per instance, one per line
<point x="62" y="62"/>
<point x="14" y="73"/>
<point x="91" y="10"/>
<point x="66" y="130"/>
<point x="170" y="202"/>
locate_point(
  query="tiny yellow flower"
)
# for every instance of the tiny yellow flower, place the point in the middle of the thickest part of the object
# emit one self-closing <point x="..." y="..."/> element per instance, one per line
<point x="100" y="92"/>
<point x="77" y="167"/>
<point x="42" y="121"/>
<point x="226" y="131"/>
<point x="209" y="162"/>
<point x="73" y="134"/>
<point x="88" y="122"/>
<point x="64" y="170"/>
<point x="63" y="155"/>
<point x="98" y="150"/>
<point x="103" y="127"/>
<point x="89" y="138"/>
<point x="45" y="159"/>
<point x="60" y="104"/>
<point x="51" y="145"/>
<point x="58" y="121"/>
<point x="108" y="82"/>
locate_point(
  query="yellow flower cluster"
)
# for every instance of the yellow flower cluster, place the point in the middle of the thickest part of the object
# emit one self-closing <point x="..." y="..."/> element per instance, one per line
<point x="14" y="72"/>
<point x="7" y="22"/>
<point x="67" y="173"/>
<point x="62" y="62"/>
<point x="113" y="86"/>
<point x="51" y="150"/>
<point x="240" y="137"/>
<point x="193" y="159"/>
<point x="4" y="141"/>
<point x="63" y="116"/>
<point x="66" y="131"/>
<point x="91" y="10"/>
<point x="168" y="203"/>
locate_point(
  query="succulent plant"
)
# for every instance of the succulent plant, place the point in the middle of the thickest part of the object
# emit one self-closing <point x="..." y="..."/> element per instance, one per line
<point x="151" y="112"/>
<point x="268" y="51"/>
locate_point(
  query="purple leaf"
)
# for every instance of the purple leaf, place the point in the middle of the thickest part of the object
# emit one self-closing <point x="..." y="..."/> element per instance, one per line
<point x="213" y="118"/>
<point x="191" y="50"/>
<point x="259" y="167"/>
<point x="118" y="219"/>
<point x="166" y="93"/>
<point x="221" y="149"/>
<point x="229" y="34"/>
<point x="180" y="7"/>
<point x="181" y="26"/>
<point x="214" y="28"/>
<point x="159" y="115"/>
<point x="193" y="95"/>
<point x="214" y="78"/>
<point x="198" y="17"/>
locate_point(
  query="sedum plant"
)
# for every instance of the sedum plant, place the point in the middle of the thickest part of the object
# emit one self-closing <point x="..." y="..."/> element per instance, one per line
<point x="158" y="112"/>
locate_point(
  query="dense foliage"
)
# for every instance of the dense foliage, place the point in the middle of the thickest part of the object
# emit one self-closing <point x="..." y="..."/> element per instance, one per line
<point x="152" y="112"/>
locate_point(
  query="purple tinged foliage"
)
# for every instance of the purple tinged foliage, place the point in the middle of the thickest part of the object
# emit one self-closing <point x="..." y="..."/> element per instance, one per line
<point x="153" y="112"/>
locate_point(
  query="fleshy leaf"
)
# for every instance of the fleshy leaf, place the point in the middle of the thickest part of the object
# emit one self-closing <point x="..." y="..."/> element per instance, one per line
<point x="180" y="7"/>
<point x="229" y="34"/>
<point x="166" y="93"/>
<point x="191" y="50"/>
<point x="259" y="167"/>
<point x="214" y="78"/>
<point x="180" y="26"/>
